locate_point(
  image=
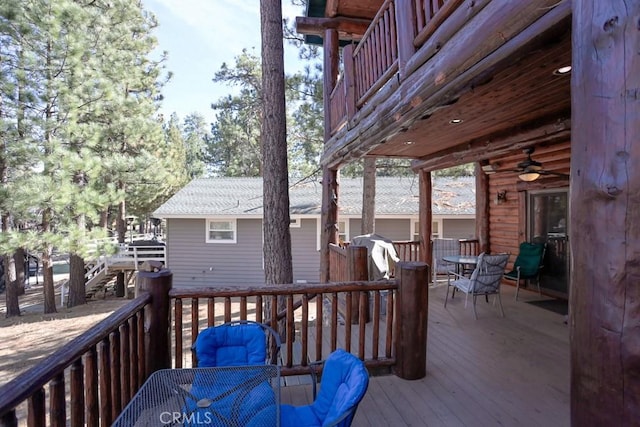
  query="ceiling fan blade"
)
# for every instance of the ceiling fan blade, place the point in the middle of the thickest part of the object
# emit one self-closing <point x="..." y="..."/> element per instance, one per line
<point x="545" y="172"/>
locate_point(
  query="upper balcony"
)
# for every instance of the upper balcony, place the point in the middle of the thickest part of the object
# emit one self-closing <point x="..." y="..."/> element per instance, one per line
<point x="426" y="76"/>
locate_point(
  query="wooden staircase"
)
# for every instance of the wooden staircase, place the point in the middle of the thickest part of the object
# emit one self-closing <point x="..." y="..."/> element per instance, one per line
<point x="103" y="265"/>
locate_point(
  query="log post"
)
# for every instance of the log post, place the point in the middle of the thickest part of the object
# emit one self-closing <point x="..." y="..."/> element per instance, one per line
<point x="482" y="208"/>
<point x="604" y="297"/>
<point x="425" y="216"/>
<point x="411" y="320"/>
<point x="157" y="325"/>
<point x="406" y="25"/>
<point x="358" y="270"/>
<point x="328" y="220"/>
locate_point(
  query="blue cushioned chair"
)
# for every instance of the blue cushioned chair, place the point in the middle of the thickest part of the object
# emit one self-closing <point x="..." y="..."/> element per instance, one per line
<point x="250" y="399"/>
<point x="344" y="383"/>
<point x="237" y="343"/>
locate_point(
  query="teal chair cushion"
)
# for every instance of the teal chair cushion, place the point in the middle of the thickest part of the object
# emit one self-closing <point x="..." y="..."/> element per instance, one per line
<point x="529" y="260"/>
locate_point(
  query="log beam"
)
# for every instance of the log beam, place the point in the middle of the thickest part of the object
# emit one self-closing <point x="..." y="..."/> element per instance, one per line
<point x="605" y="200"/>
<point x="349" y="28"/>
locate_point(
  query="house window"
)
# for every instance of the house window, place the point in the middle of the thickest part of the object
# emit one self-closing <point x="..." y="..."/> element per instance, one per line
<point x="221" y="231"/>
<point x="343" y="231"/>
<point x="295" y="223"/>
<point x="435" y="230"/>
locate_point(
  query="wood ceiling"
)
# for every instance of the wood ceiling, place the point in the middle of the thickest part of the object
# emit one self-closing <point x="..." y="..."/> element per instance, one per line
<point x="523" y="94"/>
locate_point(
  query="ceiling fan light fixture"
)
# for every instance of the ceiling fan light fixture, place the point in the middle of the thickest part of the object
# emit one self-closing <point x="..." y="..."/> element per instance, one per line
<point x="529" y="175"/>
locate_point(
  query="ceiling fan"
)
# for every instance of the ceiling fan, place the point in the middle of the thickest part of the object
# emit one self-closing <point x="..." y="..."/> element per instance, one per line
<point x="530" y="170"/>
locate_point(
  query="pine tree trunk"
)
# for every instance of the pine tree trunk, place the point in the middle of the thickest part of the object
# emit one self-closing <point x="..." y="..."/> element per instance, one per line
<point x="121" y="224"/>
<point x="277" y="238"/>
<point x="19" y="257"/>
<point x="13" y="306"/>
<point x="77" y="294"/>
<point x="47" y="283"/>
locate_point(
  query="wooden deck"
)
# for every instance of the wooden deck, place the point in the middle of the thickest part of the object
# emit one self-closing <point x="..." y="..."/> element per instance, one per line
<point x="511" y="371"/>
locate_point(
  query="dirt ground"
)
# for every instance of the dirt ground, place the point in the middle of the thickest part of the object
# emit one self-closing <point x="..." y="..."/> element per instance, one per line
<point x="29" y="338"/>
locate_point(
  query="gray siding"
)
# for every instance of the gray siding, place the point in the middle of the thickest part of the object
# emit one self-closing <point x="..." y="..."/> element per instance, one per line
<point x="196" y="263"/>
<point x="391" y="228"/>
<point x="458" y="228"/>
<point x="304" y="251"/>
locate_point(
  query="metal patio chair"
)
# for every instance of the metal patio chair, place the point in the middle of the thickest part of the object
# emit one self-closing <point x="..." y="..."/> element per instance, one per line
<point x="485" y="280"/>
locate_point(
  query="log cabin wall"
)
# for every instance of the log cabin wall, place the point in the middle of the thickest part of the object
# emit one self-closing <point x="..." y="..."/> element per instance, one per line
<point x="507" y="218"/>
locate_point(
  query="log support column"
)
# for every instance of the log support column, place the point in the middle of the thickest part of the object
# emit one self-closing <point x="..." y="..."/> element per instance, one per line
<point x="328" y="220"/>
<point x="425" y="216"/>
<point x="604" y="313"/>
<point x="412" y="302"/>
<point x="157" y="325"/>
<point x="482" y="209"/>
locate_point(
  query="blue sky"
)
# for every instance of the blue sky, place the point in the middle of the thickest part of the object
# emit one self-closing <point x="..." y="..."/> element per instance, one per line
<point x="199" y="36"/>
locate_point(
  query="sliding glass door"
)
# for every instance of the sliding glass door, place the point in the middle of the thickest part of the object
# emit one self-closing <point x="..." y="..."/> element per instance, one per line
<point x="547" y="222"/>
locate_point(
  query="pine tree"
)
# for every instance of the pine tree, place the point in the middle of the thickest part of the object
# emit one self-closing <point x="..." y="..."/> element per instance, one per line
<point x="277" y="237"/>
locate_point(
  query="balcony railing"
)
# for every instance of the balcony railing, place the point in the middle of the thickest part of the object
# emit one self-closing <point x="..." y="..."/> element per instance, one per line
<point x="430" y="14"/>
<point x="377" y="57"/>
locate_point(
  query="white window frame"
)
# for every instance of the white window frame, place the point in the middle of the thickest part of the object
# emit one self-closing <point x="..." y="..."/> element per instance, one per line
<point x="415" y="229"/>
<point x="234" y="230"/>
<point x="345" y="233"/>
<point x="295" y="222"/>
<point x="437" y="235"/>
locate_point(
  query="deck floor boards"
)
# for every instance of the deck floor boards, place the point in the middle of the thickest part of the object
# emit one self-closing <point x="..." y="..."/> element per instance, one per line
<point x="494" y="371"/>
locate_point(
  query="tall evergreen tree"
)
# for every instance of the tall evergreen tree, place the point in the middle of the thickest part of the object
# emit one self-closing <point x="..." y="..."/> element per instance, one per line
<point x="83" y="99"/>
<point x="277" y="238"/>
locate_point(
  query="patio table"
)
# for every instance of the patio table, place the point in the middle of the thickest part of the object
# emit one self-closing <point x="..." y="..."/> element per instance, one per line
<point x="220" y="396"/>
<point x="460" y="260"/>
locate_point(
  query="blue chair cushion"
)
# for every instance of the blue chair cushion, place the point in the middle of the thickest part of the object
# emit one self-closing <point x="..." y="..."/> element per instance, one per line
<point x="298" y="416"/>
<point x="344" y="383"/>
<point x="244" y="402"/>
<point x="231" y="345"/>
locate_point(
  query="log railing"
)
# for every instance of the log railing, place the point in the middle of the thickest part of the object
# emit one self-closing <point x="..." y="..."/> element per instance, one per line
<point x="338" y="105"/>
<point x="430" y="14"/>
<point x="88" y="381"/>
<point x="313" y="323"/>
<point x="408" y="250"/>
<point x="91" y="379"/>
<point x="378" y="56"/>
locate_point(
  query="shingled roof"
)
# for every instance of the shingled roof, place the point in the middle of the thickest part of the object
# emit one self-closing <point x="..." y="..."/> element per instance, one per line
<point x="205" y="197"/>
